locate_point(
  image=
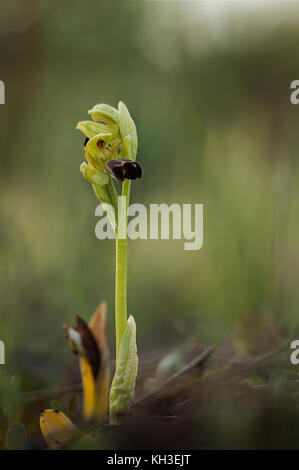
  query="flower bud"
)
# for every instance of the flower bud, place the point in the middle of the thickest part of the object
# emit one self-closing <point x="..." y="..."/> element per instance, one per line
<point x="91" y="128"/>
<point x="93" y="175"/>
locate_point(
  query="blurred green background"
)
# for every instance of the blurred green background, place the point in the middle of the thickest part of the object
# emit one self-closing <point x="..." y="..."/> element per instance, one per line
<point x="208" y="86"/>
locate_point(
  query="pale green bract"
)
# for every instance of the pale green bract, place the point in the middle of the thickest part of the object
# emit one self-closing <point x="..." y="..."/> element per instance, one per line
<point x="123" y="384"/>
<point x="127" y="128"/>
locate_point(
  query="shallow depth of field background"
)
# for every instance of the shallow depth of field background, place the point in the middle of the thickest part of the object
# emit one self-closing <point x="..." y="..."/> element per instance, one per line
<point x="208" y="88"/>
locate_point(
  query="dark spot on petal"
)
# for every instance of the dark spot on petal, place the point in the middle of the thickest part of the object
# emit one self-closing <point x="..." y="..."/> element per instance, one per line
<point x="85" y="141"/>
<point x="101" y="144"/>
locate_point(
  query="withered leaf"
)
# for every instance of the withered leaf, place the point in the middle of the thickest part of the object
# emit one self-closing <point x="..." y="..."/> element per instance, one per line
<point x="90" y="345"/>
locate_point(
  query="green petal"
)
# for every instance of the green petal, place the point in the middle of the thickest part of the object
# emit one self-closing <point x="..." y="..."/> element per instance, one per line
<point x="123" y="384"/>
<point x="104" y="113"/>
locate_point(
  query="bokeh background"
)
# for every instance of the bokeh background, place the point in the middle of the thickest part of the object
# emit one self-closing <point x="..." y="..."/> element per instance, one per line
<point x="208" y="85"/>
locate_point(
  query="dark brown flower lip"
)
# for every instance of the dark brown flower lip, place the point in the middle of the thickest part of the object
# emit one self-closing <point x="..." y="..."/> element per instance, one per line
<point x="123" y="168"/>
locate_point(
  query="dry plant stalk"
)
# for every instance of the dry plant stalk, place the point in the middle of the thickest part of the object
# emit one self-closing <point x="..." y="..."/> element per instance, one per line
<point x="89" y="343"/>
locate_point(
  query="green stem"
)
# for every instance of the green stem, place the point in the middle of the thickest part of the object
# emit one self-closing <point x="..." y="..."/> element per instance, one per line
<point x="113" y="196"/>
<point x="121" y="267"/>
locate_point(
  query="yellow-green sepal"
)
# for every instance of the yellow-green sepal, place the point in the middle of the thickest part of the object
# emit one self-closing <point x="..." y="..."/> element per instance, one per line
<point x="91" y="128"/>
<point x="105" y="113"/>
